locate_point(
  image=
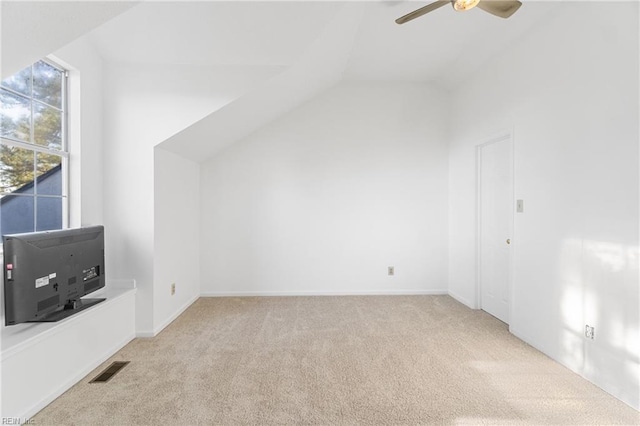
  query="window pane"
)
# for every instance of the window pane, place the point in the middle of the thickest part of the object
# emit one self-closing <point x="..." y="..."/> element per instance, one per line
<point x="15" y="116"/>
<point x="20" y="82"/>
<point x="31" y="183"/>
<point x="47" y="126"/>
<point x="16" y="214"/>
<point x="16" y="169"/>
<point x="49" y="169"/>
<point x="49" y="213"/>
<point x="47" y="84"/>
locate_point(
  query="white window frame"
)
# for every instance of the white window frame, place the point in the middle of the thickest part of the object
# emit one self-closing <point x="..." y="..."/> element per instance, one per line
<point x="63" y="152"/>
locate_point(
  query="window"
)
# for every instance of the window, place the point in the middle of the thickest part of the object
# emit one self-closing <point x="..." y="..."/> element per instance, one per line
<point x="33" y="150"/>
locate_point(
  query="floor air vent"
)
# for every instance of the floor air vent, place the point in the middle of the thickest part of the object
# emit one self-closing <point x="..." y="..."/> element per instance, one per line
<point x="111" y="371"/>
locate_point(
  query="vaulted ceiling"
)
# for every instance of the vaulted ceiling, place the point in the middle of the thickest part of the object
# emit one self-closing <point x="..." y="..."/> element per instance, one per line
<point x="33" y="29"/>
<point x="213" y="33"/>
<point x="303" y="47"/>
<point x="440" y="47"/>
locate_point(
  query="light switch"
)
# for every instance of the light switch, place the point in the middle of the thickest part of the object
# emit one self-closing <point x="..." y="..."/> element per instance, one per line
<point x="520" y="206"/>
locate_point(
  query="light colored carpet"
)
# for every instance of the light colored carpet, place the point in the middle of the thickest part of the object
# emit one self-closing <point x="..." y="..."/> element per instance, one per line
<point x="335" y="360"/>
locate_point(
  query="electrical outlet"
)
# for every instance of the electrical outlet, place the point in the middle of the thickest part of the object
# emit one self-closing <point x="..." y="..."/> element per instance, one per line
<point x="589" y="332"/>
<point x="173" y="288"/>
<point x="390" y="270"/>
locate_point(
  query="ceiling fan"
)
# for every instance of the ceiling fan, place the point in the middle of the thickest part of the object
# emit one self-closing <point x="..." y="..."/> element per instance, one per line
<point x="501" y="8"/>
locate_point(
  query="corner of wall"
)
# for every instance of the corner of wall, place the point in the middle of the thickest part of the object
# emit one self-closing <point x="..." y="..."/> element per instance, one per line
<point x="176" y="260"/>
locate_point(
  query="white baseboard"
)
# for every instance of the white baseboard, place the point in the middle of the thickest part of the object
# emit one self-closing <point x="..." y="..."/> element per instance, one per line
<point x="462" y="300"/>
<point x="534" y="343"/>
<point x="606" y="387"/>
<point x="321" y="293"/>
<point x="165" y="323"/>
<point x="75" y="379"/>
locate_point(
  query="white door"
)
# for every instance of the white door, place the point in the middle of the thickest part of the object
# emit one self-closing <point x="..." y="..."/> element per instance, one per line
<point x="495" y="208"/>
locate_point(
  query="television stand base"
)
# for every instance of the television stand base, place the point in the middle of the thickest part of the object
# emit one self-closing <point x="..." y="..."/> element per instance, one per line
<point x="81" y="305"/>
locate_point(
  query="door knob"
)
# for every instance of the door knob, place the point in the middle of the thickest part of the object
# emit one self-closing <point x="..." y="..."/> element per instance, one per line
<point x="508" y="240"/>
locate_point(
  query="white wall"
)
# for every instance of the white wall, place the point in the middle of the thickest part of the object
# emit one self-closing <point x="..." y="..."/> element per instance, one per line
<point x="176" y="235"/>
<point x="569" y="91"/>
<point x="144" y="105"/>
<point x="325" y="198"/>
<point x="84" y="132"/>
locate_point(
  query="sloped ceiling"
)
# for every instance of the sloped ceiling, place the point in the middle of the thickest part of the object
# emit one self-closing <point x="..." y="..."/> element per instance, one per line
<point x="362" y="42"/>
<point x="210" y="33"/>
<point x="440" y="47"/>
<point x="314" y="44"/>
<point x="33" y="29"/>
<point x="443" y="47"/>
<point x="317" y="69"/>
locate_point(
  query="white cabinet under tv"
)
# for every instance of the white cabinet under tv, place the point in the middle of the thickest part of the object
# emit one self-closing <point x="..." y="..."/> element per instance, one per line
<point x="40" y="361"/>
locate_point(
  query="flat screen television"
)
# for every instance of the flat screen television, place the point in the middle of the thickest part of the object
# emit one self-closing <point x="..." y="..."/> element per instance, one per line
<point x="47" y="273"/>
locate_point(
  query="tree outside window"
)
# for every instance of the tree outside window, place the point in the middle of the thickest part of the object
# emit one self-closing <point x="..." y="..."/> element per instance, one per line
<point x="33" y="150"/>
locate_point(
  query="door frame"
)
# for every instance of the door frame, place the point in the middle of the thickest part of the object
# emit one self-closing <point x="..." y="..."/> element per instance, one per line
<point x="498" y="137"/>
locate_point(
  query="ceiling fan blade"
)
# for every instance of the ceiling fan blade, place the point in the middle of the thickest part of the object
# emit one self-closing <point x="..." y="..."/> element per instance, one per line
<point x="423" y="10"/>
<point x="501" y="8"/>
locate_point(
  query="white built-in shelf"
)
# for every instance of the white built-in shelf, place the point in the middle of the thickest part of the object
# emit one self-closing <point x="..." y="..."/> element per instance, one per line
<point x="16" y="338"/>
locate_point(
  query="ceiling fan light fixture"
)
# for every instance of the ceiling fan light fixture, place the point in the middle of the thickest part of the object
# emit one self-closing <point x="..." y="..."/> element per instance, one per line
<point x="462" y="5"/>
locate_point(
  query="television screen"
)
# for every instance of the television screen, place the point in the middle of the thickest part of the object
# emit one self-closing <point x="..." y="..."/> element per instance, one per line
<point x="47" y="273"/>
